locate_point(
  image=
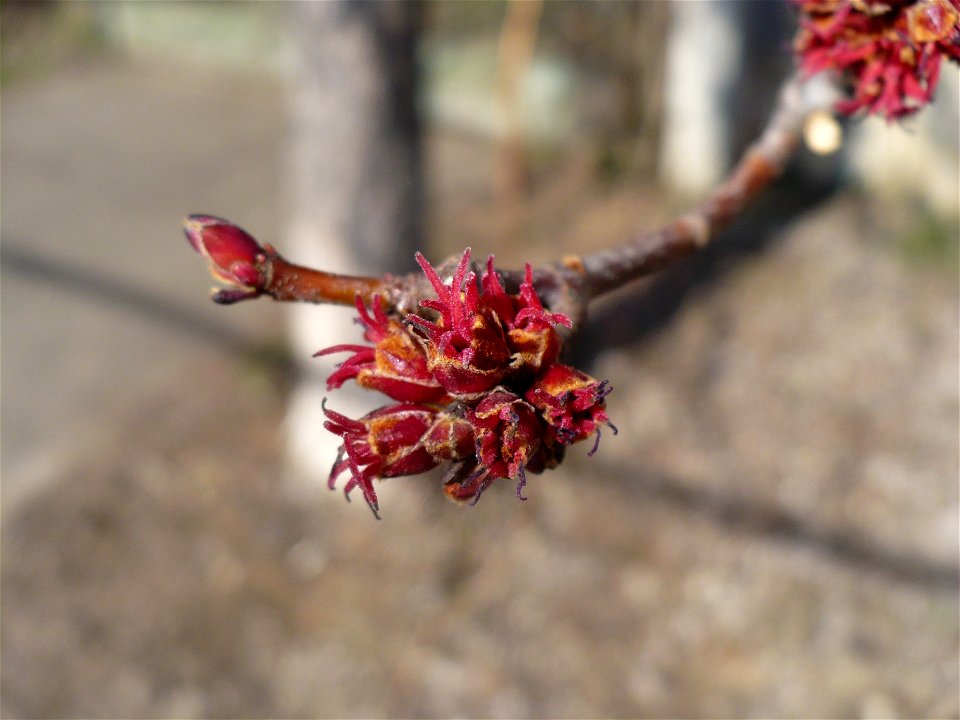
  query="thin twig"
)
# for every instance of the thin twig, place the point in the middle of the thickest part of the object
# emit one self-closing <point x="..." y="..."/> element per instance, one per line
<point x="518" y="38"/>
<point x="576" y="281"/>
<point x="295" y="282"/>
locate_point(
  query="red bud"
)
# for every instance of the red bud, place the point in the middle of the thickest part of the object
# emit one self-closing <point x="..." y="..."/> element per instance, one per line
<point x="235" y="257"/>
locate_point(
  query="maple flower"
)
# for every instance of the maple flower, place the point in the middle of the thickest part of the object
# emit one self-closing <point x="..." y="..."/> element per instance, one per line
<point x="508" y="433"/>
<point x="396" y="364"/>
<point x="483" y="337"/>
<point x="889" y="50"/>
<point x="572" y="403"/>
<point x="479" y="384"/>
<point x="466" y="347"/>
<point x="530" y="334"/>
<point x="393" y="441"/>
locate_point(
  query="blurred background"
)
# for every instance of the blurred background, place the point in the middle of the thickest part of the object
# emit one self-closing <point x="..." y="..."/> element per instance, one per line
<point x="774" y="532"/>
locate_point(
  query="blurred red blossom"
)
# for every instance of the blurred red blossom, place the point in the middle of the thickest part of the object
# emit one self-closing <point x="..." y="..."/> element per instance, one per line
<point x="889" y="50"/>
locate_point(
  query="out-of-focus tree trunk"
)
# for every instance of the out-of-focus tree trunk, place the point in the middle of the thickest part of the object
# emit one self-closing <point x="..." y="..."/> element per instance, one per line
<point x="518" y="36"/>
<point x="642" y="81"/>
<point x="355" y="181"/>
<point x="702" y="64"/>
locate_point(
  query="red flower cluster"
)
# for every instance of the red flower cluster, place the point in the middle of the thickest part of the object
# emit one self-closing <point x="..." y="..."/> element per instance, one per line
<point x="890" y="50"/>
<point x="478" y="385"/>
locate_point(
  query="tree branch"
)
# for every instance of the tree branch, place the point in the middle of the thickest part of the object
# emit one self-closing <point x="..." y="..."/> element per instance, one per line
<point x="289" y="281"/>
<point x="567" y="286"/>
<point x="576" y="281"/>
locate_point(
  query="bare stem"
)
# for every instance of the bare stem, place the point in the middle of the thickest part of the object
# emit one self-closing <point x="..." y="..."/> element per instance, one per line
<point x="762" y="163"/>
<point x="296" y="282"/>
<point x="576" y="281"/>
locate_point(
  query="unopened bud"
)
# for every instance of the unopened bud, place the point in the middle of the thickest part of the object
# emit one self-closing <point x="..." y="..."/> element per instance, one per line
<point x="235" y="257"/>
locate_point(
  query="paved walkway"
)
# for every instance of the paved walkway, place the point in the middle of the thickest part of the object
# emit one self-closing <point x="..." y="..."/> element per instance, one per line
<point x="102" y="298"/>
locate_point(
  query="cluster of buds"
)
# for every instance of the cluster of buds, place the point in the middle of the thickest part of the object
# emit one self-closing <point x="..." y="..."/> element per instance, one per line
<point x="889" y="50"/>
<point x="474" y="374"/>
<point x="477" y="384"/>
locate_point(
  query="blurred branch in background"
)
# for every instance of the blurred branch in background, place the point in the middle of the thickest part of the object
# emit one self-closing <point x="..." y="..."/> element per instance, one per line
<point x="40" y="36"/>
<point x="617" y="57"/>
<point x="748" y="515"/>
<point x="518" y="37"/>
<point x="105" y="287"/>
